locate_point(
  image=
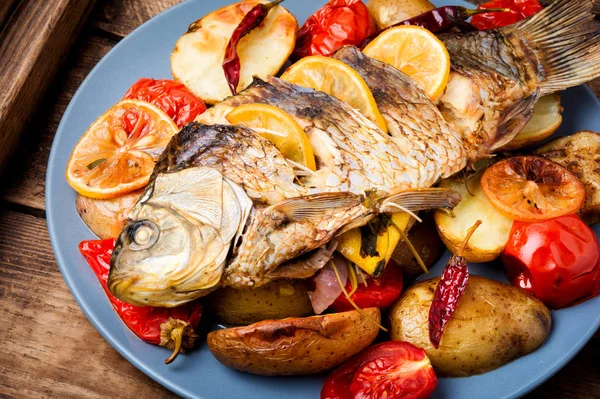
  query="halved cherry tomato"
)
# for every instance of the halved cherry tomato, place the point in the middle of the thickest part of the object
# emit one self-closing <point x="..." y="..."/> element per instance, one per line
<point x="519" y="9"/>
<point x="557" y="260"/>
<point x="337" y="23"/>
<point x="389" y="370"/>
<point x="172" y="97"/>
<point x="531" y="188"/>
<point x="379" y="292"/>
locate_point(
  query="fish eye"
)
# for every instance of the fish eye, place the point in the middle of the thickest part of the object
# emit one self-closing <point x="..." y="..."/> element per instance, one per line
<point x="143" y="235"/>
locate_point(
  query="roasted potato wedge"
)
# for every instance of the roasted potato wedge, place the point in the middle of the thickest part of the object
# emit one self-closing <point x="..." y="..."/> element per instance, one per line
<point x="424" y="237"/>
<point x="389" y="12"/>
<point x="197" y="58"/>
<point x="489" y="240"/>
<point x="106" y="218"/>
<point x="580" y="153"/>
<point x="547" y="117"/>
<point x="295" y="346"/>
<point x="276" y="300"/>
<point x="493" y="324"/>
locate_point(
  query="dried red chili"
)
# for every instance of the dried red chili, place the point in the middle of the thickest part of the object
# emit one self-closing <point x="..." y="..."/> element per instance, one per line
<point x="450" y="289"/>
<point x="440" y="19"/>
<point x="337" y="23"/>
<point x="251" y="21"/>
<point x="172" y="328"/>
<point x="517" y="10"/>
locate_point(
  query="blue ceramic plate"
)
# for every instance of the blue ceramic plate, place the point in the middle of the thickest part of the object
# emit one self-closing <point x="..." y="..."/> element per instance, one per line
<point x="146" y="53"/>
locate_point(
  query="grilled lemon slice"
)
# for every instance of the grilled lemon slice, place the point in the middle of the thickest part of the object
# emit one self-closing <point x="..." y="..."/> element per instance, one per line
<point x="339" y="80"/>
<point x="278" y="127"/>
<point x="416" y="52"/>
<point x="117" y="153"/>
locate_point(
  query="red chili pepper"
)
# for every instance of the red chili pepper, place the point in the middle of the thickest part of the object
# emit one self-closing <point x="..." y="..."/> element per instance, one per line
<point x="172" y="328"/>
<point x="440" y="19"/>
<point x="251" y="21"/>
<point x="170" y="96"/>
<point x="556" y="260"/>
<point x="338" y="23"/>
<point x="450" y="289"/>
<point x="518" y="10"/>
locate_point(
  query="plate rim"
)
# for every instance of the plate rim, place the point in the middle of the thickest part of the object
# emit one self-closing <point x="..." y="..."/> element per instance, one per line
<point x="52" y="224"/>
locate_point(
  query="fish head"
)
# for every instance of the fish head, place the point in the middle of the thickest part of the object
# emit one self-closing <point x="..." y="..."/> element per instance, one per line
<point x="174" y="246"/>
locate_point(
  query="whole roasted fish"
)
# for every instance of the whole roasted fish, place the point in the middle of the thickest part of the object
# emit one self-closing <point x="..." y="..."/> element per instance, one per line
<point x="224" y="207"/>
<point x="214" y="200"/>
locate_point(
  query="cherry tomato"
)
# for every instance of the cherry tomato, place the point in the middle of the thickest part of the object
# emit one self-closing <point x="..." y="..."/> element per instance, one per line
<point x="378" y="293"/>
<point x="556" y="260"/>
<point x="337" y="23"/>
<point x="170" y="96"/>
<point x="389" y="370"/>
<point x="520" y="9"/>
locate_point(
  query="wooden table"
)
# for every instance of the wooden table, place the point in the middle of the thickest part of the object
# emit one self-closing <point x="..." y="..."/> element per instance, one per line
<point x="47" y="346"/>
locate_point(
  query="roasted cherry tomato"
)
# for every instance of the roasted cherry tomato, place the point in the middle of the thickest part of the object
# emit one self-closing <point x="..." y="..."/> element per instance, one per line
<point x="339" y="22"/>
<point x="557" y="260"/>
<point x="378" y="293"/>
<point x="531" y="188"/>
<point x="519" y="9"/>
<point x="172" y="97"/>
<point x="389" y="370"/>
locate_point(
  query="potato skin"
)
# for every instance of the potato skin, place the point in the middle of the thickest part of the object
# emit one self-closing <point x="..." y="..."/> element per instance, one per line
<point x="295" y="346"/>
<point x="493" y="324"/>
<point x="276" y="300"/>
<point x="426" y="241"/>
<point x="106" y="218"/>
<point x="389" y="12"/>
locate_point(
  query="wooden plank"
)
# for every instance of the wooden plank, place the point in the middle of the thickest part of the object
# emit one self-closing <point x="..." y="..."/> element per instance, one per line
<point x="35" y="40"/>
<point x="6" y="9"/>
<point x="24" y="177"/>
<point x="48" y="347"/>
<point x="120" y="17"/>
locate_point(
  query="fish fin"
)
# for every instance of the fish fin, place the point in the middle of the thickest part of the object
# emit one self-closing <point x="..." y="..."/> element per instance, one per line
<point x="413" y="200"/>
<point x="195" y="192"/>
<point x="566" y="42"/>
<point x="313" y="206"/>
<point x="513" y="120"/>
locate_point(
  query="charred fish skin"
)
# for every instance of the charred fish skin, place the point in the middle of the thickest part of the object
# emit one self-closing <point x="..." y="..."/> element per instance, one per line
<point x="352" y="153"/>
<point x="498" y="75"/>
<point x="426" y="141"/>
<point x="239" y="154"/>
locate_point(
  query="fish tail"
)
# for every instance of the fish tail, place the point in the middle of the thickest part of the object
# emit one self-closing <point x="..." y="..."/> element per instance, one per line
<point x="413" y="200"/>
<point x="566" y="41"/>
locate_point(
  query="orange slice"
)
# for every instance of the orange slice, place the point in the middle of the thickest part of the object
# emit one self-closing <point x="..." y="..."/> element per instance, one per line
<point x="531" y="188"/>
<point x="416" y="52"/>
<point x="118" y="152"/>
<point x="338" y="79"/>
<point x="277" y="126"/>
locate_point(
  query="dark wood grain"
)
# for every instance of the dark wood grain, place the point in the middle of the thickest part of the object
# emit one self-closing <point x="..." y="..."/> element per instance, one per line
<point x="32" y="46"/>
<point x="23" y="182"/>
<point x="48" y="347"/>
<point x="120" y="17"/>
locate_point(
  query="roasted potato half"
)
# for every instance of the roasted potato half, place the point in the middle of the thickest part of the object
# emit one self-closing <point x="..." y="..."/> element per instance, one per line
<point x="424" y="237"/>
<point x="489" y="240"/>
<point x="276" y="300"/>
<point x="580" y="153"/>
<point x="547" y="117"/>
<point x="198" y="56"/>
<point x="389" y="12"/>
<point x="494" y="323"/>
<point x="295" y="346"/>
<point x="106" y="218"/>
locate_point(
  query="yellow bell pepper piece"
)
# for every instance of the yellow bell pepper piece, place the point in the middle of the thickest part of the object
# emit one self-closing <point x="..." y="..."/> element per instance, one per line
<point x="349" y="245"/>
